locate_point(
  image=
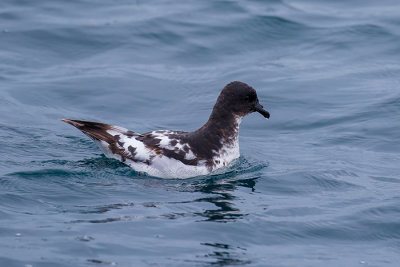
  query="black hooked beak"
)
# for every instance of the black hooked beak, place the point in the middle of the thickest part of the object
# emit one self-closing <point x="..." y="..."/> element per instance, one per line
<point x="260" y="109"/>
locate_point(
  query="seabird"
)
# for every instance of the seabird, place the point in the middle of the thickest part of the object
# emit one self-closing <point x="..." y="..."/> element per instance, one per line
<point x="179" y="154"/>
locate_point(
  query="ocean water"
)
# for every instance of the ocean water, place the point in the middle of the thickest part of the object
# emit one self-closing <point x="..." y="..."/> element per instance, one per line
<point x="316" y="185"/>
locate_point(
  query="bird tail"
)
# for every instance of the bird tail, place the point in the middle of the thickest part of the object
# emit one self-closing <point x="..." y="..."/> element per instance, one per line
<point x="96" y="130"/>
<point x="112" y="147"/>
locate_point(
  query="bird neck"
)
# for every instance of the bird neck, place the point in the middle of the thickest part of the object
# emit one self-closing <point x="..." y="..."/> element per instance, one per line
<point x="217" y="137"/>
<point x="224" y="125"/>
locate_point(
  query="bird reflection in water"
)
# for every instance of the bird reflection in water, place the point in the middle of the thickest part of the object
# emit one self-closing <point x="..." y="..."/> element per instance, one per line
<point x="224" y="254"/>
<point x="221" y="195"/>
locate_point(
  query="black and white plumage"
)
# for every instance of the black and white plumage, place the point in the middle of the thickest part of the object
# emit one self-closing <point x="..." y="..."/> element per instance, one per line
<point x="178" y="154"/>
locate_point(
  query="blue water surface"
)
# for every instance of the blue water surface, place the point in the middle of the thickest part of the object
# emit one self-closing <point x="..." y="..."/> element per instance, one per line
<point x="316" y="185"/>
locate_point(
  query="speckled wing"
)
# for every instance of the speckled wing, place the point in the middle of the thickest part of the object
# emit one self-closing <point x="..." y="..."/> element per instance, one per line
<point x="133" y="148"/>
<point x="171" y="144"/>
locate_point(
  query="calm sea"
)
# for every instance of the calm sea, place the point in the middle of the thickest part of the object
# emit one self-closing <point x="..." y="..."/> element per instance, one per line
<point x="316" y="185"/>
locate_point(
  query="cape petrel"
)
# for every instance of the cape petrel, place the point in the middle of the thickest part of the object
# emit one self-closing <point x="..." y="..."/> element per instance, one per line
<point x="178" y="154"/>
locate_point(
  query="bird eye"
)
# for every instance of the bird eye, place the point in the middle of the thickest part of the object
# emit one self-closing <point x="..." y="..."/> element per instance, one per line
<point x="250" y="97"/>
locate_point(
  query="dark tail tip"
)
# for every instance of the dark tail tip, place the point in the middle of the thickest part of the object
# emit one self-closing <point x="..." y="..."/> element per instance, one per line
<point x="73" y="123"/>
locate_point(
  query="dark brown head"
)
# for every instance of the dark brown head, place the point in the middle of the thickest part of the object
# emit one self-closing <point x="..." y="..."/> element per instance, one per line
<point x="240" y="99"/>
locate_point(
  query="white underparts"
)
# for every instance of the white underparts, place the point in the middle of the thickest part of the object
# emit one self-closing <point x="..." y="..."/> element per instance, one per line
<point x="230" y="149"/>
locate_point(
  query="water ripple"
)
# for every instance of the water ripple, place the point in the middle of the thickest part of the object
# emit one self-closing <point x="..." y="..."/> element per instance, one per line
<point x="323" y="172"/>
